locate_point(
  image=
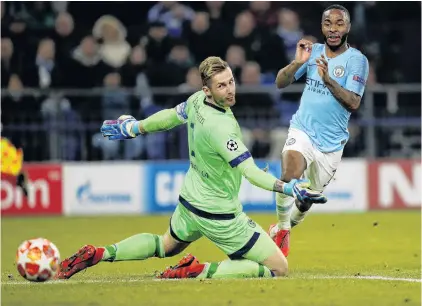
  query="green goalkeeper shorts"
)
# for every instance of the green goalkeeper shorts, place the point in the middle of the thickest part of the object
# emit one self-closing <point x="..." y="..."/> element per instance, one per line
<point x="236" y="235"/>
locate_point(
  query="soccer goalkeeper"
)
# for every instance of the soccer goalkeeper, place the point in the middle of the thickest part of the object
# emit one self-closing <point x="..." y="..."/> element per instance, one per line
<point x="208" y="202"/>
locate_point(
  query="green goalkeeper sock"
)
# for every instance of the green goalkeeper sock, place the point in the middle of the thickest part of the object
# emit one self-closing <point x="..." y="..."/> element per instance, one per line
<point x="243" y="268"/>
<point x="137" y="247"/>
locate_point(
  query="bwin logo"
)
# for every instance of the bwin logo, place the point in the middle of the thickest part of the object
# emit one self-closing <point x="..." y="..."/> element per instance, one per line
<point x="85" y="195"/>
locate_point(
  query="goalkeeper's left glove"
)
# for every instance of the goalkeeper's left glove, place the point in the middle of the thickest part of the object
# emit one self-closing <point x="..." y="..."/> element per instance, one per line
<point x="120" y="129"/>
<point x="299" y="189"/>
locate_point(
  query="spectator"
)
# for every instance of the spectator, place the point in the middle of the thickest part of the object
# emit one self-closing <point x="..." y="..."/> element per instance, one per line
<point x="6" y="61"/>
<point x="44" y="72"/>
<point x="181" y="57"/>
<point x="114" y="49"/>
<point x="40" y="16"/>
<point x="57" y="112"/>
<point x="23" y="111"/>
<point x="159" y="10"/>
<point x="115" y="102"/>
<point x="193" y="80"/>
<point x="205" y="40"/>
<point x="264" y="16"/>
<point x="215" y="10"/>
<point x="172" y="14"/>
<point x="273" y="54"/>
<point x="15" y="85"/>
<point x="86" y="70"/>
<point x="157" y="43"/>
<point x="246" y="35"/>
<point x="16" y="30"/>
<point x="235" y="57"/>
<point x="17" y="107"/>
<point x="65" y="37"/>
<point x="251" y="74"/>
<point x="372" y="75"/>
<point x="289" y="30"/>
<point x="136" y="65"/>
<point x="253" y="104"/>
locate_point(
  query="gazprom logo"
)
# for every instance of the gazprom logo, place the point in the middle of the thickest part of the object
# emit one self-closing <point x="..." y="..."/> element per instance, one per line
<point x="85" y="195"/>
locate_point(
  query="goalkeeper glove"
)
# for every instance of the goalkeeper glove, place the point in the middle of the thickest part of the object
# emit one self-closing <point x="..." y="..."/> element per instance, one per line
<point x="123" y="128"/>
<point x="299" y="190"/>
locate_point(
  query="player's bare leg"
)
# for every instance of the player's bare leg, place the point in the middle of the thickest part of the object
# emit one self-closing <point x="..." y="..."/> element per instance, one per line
<point x="293" y="165"/>
<point x="137" y="247"/>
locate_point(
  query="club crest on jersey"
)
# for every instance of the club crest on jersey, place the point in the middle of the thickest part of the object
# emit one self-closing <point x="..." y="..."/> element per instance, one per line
<point x="338" y="71"/>
<point x="251" y="223"/>
<point x="290" y="141"/>
<point x="232" y="145"/>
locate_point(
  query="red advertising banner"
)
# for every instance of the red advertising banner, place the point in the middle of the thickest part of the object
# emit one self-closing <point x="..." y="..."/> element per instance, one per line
<point x="394" y="184"/>
<point x="44" y="192"/>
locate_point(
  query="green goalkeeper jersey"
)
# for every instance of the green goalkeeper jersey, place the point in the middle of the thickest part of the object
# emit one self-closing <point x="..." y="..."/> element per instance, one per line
<point x="213" y="180"/>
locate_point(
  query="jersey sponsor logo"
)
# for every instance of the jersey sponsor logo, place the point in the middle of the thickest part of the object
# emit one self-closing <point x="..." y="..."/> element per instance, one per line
<point x="232" y="145"/>
<point x="317" y="86"/>
<point x="338" y="71"/>
<point x="290" y="141"/>
<point x="315" y="83"/>
<point x="359" y="79"/>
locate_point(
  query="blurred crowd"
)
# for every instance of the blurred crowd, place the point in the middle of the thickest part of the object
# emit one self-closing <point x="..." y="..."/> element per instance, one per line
<point x="115" y="45"/>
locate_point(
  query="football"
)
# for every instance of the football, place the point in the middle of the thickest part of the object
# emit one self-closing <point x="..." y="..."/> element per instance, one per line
<point x="37" y="259"/>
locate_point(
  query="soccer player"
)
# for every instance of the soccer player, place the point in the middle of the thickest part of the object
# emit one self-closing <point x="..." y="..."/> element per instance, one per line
<point x="336" y="75"/>
<point x="208" y="203"/>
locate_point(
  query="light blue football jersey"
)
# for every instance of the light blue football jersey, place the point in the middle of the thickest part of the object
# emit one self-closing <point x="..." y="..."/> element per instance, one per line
<point x="320" y="115"/>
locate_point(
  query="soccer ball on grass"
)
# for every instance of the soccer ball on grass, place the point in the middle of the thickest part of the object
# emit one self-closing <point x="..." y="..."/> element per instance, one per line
<point x="37" y="259"/>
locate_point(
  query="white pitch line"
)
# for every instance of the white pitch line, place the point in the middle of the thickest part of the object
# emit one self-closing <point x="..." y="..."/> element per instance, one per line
<point x="134" y="280"/>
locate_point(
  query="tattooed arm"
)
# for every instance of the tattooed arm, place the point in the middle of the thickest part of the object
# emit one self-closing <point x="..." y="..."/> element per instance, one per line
<point x="285" y="76"/>
<point x="357" y="74"/>
<point x="348" y="99"/>
<point x="297" y="67"/>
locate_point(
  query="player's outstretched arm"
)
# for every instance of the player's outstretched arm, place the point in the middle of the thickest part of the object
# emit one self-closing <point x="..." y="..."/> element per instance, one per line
<point x="297" y="67"/>
<point x="295" y="188"/>
<point x="230" y="147"/>
<point x="127" y="127"/>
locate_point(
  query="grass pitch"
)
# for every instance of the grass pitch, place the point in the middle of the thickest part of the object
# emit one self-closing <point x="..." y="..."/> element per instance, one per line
<point x="347" y="259"/>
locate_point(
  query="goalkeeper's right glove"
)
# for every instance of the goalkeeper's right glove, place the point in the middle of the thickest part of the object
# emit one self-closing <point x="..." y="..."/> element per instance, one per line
<point x="120" y="129"/>
<point x="299" y="189"/>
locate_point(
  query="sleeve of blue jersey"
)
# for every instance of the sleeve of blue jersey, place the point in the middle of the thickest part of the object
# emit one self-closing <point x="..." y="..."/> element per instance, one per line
<point x="301" y="71"/>
<point x="357" y="74"/>
<point x="304" y="68"/>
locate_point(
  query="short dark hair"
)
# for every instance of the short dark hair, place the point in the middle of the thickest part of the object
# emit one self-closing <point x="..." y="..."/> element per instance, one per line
<point x="338" y="7"/>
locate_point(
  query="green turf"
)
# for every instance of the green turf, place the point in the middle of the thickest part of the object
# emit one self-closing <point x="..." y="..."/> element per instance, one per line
<point x="349" y="245"/>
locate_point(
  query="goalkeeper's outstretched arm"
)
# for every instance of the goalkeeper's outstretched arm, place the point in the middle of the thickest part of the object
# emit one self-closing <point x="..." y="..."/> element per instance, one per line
<point x="238" y="156"/>
<point x="227" y="143"/>
<point x="259" y="177"/>
<point x="126" y="126"/>
<point x="161" y="121"/>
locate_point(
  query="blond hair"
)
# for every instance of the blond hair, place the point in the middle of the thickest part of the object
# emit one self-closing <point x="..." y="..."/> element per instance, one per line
<point x="210" y="67"/>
